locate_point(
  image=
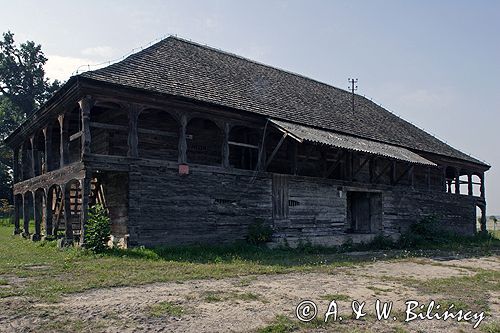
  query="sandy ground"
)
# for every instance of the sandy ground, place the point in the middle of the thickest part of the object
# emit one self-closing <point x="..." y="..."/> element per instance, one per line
<point x="224" y="305"/>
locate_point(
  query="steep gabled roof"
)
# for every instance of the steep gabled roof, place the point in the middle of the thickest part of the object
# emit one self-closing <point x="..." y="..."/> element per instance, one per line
<point x="178" y="67"/>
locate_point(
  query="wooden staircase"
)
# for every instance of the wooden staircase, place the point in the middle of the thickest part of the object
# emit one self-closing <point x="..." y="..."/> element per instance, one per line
<point x="75" y="194"/>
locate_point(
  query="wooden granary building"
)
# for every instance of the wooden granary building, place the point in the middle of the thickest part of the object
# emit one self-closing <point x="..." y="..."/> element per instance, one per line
<point x="187" y="144"/>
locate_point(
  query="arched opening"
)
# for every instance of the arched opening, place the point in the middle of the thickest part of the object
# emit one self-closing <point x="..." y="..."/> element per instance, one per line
<point x="39" y="154"/>
<point x="476" y="185"/>
<point x="109" y="130"/>
<point x="204" y="141"/>
<point x="53" y="210"/>
<point x="26" y="158"/>
<point x="158" y="134"/>
<point x="243" y="147"/>
<point x="464" y="182"/>
<point x="55" y="146"/>
<point x="73" y="128"/>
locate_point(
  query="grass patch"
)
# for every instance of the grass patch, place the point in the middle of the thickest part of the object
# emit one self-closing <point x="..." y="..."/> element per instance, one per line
<point x="48" y="272"/>
<point x="165" y="308"/>
<point x="378" y="290"/>
<point x="336" y="297"/>
<point x="3" y="282"/>
<point x="281" y="324"/>
<point x="493" y="327"/>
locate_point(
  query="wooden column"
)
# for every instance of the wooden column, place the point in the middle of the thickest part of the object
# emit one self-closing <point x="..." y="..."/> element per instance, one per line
<point x="84" y="213"/>
<point x="443" y="180"/>
<point x="133" y="138"/>
<point x="18" y="202"/>
<point x="37" y="214"/>
<point x="48" y="214"/>
<point x="481" y="189"/>
<point x="457" y="182"/>
<point x="34" y="159"/>
<point x="225" y="146"/>
<point x="47" y="132"/>
<point x="86" y="105"/>
<point x="483" y="218"/>
<point x="469" y="183"/>
<point x="64" y="142"/>
<point x="15" y="165"/>
<point x="68" y="231"/>
<point x="182" y="140"/>
<point x="26" y="215"/>
<point x="393" y="172"/>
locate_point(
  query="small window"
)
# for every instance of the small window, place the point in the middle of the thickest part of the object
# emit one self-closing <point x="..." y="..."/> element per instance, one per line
<point x="293" y="203"/>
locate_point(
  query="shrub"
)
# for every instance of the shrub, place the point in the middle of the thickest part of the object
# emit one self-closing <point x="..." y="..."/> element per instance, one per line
<point x="259" y="232"/>
<point x="98" y="229"/>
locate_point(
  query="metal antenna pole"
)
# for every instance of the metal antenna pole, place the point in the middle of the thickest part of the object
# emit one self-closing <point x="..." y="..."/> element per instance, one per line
<point x="353" y="88"/>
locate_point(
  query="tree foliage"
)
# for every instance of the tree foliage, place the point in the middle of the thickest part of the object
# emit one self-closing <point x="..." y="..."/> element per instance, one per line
<point x="22" y="77"/>
<point x="23" y="88"/>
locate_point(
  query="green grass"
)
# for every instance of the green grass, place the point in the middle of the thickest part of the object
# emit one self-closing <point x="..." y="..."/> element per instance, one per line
<point x="165" y="308"/>
<point x="43" y="271"/>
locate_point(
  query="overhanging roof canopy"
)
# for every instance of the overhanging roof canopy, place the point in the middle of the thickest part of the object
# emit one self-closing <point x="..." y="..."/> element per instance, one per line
<point x="304" y="133"/>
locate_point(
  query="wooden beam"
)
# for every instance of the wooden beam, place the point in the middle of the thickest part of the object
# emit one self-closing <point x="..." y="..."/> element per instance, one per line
<point x="241" y="144"/>
<point x="358" y="169"/>
<point x="283" y="137"/>
<point x="387" y="166"/>
<point x="405" y="172"/>
<point x="182" y="140"/>
<point x="331" y="169"/>
<point x="75" y="136"/>
<point x="225" y="145"/>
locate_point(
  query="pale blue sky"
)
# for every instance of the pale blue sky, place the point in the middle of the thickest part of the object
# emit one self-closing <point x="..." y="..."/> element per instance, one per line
<point x="434" y="63"/>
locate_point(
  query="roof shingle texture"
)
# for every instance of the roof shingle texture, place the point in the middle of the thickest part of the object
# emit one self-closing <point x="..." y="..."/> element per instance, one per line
<point x="178" y="67"/>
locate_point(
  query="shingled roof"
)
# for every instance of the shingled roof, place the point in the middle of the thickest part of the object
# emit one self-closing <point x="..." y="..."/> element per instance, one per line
<point x="182" y="68"/>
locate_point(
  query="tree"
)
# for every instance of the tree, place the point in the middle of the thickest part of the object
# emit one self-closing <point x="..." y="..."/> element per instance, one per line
<point x="22" y="77"/>
<point x="23" y="88"/>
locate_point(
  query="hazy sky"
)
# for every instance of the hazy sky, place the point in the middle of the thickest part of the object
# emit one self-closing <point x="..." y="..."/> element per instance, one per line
<point x="434" y="63"/>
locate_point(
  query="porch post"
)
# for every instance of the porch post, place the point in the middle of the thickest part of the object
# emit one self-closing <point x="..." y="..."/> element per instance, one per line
<point x="68" y="232"/>
<point x="84" y="213"/>
<point x="64" y="143"/>
<point x="48" y="214"/>
<point x="37" y="214"/>
<point x="225" y="146"/>
<point x="457" y="182"/>
<point x="133" y="137"/>
<point x="483" y="218"/>
<point x="182" y="140"/>
<point x="17" y="213"/>
<point x="481" y="176"/>
<point x="86" y="104"/>
<point x="469" y="183"/>
<point x="26" y="215"/>
<point x="47" y="131"/>
<point x="34" y="158"/>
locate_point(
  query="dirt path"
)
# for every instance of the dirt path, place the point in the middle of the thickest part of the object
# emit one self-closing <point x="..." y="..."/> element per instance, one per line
<point x="248" y="303"/>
